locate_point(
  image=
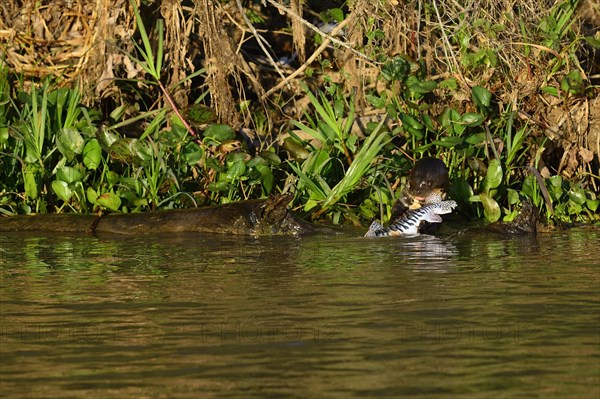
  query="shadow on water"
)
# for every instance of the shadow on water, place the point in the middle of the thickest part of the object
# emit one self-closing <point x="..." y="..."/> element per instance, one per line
<point x="335" y="316"/>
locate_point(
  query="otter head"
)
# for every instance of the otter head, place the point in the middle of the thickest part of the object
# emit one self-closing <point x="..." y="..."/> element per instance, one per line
<point x="428" y="182"/>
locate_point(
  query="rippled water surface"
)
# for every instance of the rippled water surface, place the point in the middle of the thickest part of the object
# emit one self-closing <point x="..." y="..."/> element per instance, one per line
<point x="239" y="317"/>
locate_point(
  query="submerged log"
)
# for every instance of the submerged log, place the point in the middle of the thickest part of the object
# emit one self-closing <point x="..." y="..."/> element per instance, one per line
<point x="525" y="224"/>
<point x="253" y="217"/>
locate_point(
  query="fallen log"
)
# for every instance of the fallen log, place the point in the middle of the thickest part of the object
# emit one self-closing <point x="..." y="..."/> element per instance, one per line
<point x="253" y="217"/>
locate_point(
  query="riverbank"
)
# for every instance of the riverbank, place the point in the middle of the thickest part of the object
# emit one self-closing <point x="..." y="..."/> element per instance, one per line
<point x="224" y="102"/>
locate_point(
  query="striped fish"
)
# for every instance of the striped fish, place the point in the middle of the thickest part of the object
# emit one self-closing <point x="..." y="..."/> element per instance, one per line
<point x="409" y="223"/>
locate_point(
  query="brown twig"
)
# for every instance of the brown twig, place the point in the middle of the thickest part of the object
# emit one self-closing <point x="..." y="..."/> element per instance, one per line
<point x="259" y="39"/>
<point x="176" y="110"/>
<point x="542" y="186"/>
<point x="331" y="37"/>
<point x="309" y="61"/>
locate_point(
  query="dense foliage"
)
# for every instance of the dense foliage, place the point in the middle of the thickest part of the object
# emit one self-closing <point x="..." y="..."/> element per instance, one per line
<point x="344" y="156"/>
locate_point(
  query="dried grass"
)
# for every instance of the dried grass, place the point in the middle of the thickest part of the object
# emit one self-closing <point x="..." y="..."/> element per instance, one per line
<point x="178" y="29"/>
<point x="85" y="43"/>
<point x="68" y="39"/>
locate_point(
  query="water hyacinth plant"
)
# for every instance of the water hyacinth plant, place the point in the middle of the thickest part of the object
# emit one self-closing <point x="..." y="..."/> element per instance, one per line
<point x="503" y="95"/>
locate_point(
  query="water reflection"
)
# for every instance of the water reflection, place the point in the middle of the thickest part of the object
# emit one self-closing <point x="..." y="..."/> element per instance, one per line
<point x="219" y="316"/>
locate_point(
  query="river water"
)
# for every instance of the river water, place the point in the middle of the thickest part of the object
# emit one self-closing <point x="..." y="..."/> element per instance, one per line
<point x="195" y="316"/>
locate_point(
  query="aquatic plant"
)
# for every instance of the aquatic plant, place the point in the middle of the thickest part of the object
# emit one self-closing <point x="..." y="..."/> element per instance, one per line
<point x="503" y="95"/>
<point x="339" y="160"/>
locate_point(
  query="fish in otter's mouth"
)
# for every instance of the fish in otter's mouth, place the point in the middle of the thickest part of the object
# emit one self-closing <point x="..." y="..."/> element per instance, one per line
<point x="409" y="223"/>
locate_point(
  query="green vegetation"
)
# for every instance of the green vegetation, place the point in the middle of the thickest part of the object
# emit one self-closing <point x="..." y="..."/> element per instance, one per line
<point x="59" y="155"/>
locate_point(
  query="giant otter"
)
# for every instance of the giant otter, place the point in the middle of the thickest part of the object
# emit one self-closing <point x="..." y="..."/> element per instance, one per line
<point x="428" y="183"/>
<point x="427" y="180"/>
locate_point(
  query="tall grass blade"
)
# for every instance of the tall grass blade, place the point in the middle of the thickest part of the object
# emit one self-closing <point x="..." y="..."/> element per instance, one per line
<point x="312" y="187"/>
<point x="150" y="66"/>
<point x="367" y="153"/>
<point x="159" y="48"/>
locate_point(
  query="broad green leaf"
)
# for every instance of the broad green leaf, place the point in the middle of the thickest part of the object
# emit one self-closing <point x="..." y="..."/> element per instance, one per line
<point x="461" y="190"/>
<point x="91" y="195"/>
<point x="574" y="208"/>
<point x="109" y="200"/>
<point x="493" y="177"/>
<point x="509" y="217"/>
<point x="123" y="150"/>
<point x="112" y="178"/>
<point x="69" y="142"/>
<point x="421" y="86"/>
<point x="192" y="153"/>
<point x="476" y="138"/>
<point x="237" y="156"/>
<point x="491" y="209"/>
<point x="411" y="125"/>
<point x="257" y="160"/>
<point x="213" y="163"/>
<point x="396" y="69"/>
<point x="459" y="128"/>
<point x="106" y="138"/>
<point x="450" y="84"/>
<point x="310" y="204"/>
<point x="235" y="171"/>
<point x="377" y="101"/>
<point x="448" y="142"/>
<point x="512" y="196"/>
<point x="266" y="177"/>
<point x="337" y="14"/>
<point x="449" y="119"/>
<point x="62" y="190"/>
<point x="577" y="195"/>
<point x="92" y="154"/>
<point x="409" y="121"/>
<point x="68" y="174"/>
<point x="30" y="174"/>
<point x="572" y="83"/>
<point x="555" y="186"/>
<point x="482" y="98"/>
<point x="270" y="157"/>
<point x="199" y="114"/>
<point x="553" y="91"/>
<point x="422" y="149"/>
<point x="592" y="41"/>
<point x="219" y="132"/>
<point x="418" y="134"/>
<point x="428" y="122"/>
<point x="592" y="204"/>
<point x="472" y="119"/>
<point x="3" y="135"/>
<point x="218" y="186"/>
